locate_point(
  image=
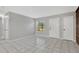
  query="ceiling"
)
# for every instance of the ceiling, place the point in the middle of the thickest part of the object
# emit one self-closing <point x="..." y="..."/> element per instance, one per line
<point x="40" y="11"/>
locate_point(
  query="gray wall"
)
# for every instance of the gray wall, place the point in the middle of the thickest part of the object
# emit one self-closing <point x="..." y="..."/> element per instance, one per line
<point x="20" y="26"/>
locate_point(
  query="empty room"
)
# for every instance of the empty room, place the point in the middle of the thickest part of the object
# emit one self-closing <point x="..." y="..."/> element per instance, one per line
<point x="39" y="29"/>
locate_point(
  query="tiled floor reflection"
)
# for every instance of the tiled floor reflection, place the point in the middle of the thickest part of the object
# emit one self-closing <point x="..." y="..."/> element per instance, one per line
<point x="38" y="45"/>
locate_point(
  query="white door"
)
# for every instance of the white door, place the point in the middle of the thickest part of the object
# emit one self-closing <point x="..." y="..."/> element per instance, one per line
<point x="68" y="28"/>
<point x="54" y="29"/>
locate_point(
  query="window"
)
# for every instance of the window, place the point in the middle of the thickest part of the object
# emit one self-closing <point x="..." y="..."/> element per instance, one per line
<point x="40" y="27"/>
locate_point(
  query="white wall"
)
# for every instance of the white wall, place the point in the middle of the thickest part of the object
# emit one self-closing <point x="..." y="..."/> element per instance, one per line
<point x="20" y="26"/>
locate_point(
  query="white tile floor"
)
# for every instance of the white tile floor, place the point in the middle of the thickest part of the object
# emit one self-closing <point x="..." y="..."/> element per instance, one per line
<point x="38" y="45"/>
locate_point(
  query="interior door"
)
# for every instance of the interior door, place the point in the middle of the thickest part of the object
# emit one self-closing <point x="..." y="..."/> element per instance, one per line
<point x="54" y="29"/>
<point x="68" y="27"/>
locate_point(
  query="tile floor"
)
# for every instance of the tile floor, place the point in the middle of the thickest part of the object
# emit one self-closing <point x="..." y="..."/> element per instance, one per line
<point x="38" y="45"/>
